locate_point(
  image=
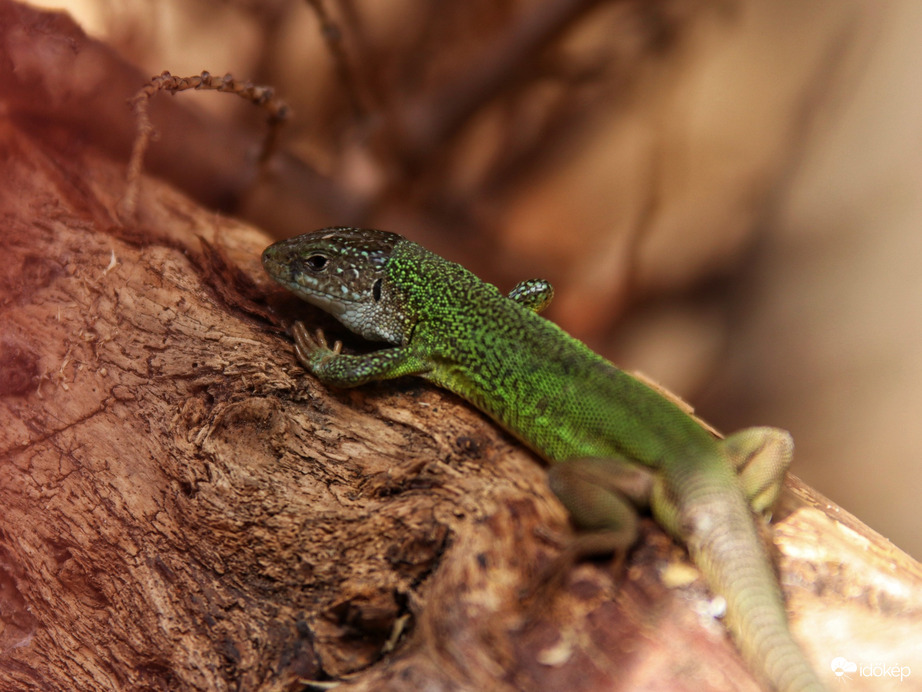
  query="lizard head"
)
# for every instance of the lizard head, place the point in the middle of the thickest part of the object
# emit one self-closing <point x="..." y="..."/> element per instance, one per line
<point x="343" y="271"/>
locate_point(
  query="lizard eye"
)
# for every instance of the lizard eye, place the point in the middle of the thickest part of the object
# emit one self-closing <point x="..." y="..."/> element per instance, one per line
<point x="316" y="263"/>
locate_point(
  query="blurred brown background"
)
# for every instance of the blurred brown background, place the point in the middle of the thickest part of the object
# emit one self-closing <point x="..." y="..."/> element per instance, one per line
<point x="725" y="194"/>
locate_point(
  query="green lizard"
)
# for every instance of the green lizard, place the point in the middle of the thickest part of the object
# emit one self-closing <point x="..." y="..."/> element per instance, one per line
<point x="625" y="444"/>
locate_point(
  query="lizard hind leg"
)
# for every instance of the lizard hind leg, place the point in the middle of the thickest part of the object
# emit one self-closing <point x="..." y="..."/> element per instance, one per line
<point x="602" y="497"/>
<point x="761" y="457"/>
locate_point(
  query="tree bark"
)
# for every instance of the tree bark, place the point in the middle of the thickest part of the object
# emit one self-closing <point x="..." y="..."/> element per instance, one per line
<point x="185" y="508"/>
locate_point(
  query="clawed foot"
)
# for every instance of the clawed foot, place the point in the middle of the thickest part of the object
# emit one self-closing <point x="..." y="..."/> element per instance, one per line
<point x="313" y="350"/>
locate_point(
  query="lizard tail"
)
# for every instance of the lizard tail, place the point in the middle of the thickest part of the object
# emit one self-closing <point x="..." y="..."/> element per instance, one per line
<point x="716" y="524"/>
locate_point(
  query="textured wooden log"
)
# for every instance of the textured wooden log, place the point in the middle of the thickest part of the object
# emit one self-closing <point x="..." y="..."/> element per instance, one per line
<point x="185" y="508"/>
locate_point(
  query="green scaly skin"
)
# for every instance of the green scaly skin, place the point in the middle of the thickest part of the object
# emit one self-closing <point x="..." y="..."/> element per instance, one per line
<point x="625" y="445"/>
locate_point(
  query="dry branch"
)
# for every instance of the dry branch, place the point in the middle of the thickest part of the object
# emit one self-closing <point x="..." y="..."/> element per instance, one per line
<point x="261" y="96"/>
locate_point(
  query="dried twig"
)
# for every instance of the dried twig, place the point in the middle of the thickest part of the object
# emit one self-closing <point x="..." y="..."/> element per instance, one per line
<point x="261" y="96"/>
<point x="442" y="112"/>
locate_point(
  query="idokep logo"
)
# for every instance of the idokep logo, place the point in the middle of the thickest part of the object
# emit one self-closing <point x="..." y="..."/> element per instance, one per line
<point x="844" y="669"/>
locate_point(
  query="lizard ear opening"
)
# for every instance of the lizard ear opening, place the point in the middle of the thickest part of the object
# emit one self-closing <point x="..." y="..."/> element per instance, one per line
<point x="376" y="290"/>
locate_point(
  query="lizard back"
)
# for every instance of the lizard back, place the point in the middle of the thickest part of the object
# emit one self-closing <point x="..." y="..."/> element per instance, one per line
<point x="546" y="387"/>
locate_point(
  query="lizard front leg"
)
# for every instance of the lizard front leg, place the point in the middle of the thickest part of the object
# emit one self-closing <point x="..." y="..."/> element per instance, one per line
<point x="534" y="294"/>
<point x="341" y="370"/>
